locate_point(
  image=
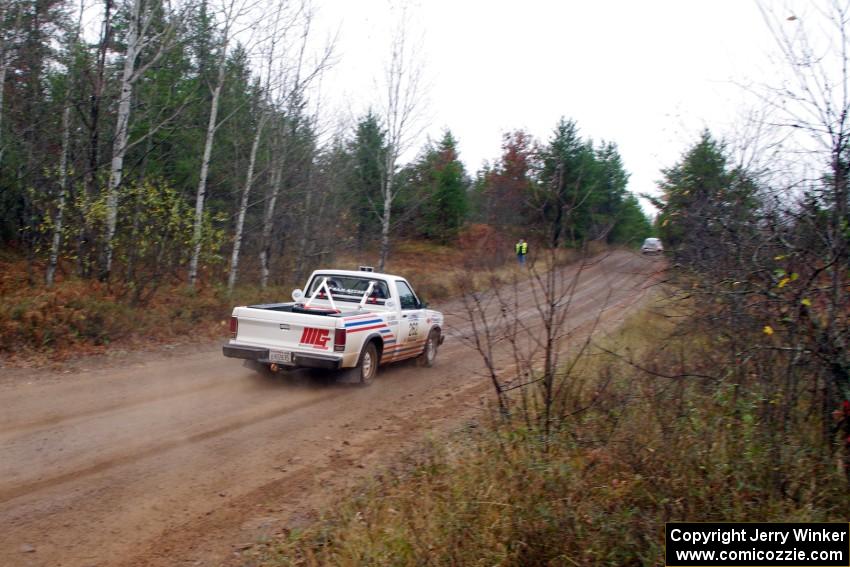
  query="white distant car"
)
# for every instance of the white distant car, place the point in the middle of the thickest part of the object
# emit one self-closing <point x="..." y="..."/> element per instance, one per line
<point x="652" y="246"/>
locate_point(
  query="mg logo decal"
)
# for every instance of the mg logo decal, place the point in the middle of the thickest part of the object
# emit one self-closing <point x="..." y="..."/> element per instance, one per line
<point x="316" y="337"/>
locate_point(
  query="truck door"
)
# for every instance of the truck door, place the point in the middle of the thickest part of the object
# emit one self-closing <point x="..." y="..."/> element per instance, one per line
<point x="410" y="324"/>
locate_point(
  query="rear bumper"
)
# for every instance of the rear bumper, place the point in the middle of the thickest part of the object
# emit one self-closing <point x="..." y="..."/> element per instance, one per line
<point x="261" y="355"/>
<point x="246" y="352"/>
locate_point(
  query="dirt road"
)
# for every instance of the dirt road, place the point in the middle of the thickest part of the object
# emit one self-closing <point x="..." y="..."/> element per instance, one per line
<point x="190" y="459"/>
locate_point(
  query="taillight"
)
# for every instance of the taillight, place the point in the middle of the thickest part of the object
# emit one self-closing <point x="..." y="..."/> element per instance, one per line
<point x="339" y="340"/>
<point x="234" y="327"/>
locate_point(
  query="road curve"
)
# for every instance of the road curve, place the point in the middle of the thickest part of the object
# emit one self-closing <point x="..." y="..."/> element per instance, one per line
<point x="190" y="459"/>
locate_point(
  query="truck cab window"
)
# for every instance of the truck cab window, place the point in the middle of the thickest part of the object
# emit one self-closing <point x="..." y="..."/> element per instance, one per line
<point x="349" y="288"/>
<point x="406" y="297"/>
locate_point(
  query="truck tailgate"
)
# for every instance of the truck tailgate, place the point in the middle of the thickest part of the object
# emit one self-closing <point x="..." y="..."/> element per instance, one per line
<point x="285" y="331"/>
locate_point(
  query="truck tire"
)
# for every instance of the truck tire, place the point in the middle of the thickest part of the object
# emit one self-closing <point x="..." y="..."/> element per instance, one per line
<point x="368" y="366"/>
<point x="429" y="353"/>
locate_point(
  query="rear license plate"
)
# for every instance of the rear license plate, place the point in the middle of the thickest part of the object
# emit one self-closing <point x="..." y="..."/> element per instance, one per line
<point x="280" y="356"/>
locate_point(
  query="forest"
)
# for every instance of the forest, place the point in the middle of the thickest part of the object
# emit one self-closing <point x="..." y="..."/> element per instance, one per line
<point x="147" y="144"/>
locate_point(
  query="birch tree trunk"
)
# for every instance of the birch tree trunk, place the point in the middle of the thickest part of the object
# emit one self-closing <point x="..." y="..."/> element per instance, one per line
<point x="119" y="144"/>
<point x="268" y="217"/>
<point x="278" y="163"/>
<point x="243" y="205"/>
<point x="56" y="241"/>
<point x="385" y="221"/>
<point x="197" y="234"/>
<point x="401" y="114"/>
<point x="140" y="20"/>
<point x="265" y="113"/>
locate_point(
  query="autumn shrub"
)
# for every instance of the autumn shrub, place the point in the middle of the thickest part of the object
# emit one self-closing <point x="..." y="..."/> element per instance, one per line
<point x="79" y="316"/>
<point x="73" y="314"/>
<point x="484" y="246"/>
<point x="674" y="438"/>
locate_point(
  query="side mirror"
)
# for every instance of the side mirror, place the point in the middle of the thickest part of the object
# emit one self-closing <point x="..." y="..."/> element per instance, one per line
<point x="423" y="304"/>
<point x="297" y="295"/>
<point x="390" y="304"/>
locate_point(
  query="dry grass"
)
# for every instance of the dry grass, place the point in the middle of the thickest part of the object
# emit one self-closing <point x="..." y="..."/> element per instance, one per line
<point x="652" y="449"/>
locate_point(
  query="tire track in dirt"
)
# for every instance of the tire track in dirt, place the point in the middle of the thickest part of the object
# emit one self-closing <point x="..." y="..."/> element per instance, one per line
<point x="239" y="422"/>
<point x="19" y="428"/>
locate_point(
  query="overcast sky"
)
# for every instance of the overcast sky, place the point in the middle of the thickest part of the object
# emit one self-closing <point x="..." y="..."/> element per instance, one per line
<point x="647" y="75"/>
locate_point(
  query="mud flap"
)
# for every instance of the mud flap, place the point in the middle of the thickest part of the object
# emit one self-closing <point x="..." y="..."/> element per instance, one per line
<point x="348" y="376"/>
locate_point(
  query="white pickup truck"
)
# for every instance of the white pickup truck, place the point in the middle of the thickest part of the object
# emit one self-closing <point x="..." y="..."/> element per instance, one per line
<point x="346" y="319"/>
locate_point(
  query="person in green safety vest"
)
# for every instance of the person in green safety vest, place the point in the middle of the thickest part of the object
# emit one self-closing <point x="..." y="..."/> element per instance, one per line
<point x="521" y="250"/>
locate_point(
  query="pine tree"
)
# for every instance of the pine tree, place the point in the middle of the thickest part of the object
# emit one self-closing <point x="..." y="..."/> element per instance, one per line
<point x="705" y="203"/>
<point x="367" y="151"/>
<point x="442" y="191"/>
<point x="566" y="189"/>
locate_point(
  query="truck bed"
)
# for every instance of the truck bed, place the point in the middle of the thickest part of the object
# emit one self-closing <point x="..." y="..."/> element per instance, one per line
<point x="293" y="308"/>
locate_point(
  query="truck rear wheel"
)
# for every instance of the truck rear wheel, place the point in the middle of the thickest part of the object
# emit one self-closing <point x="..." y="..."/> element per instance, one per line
<point x="429" y="354"/>
<point x="368" y="366"/>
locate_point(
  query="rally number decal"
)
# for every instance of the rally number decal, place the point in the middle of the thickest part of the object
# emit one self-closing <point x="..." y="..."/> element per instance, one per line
<point x="414" y="330"/>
